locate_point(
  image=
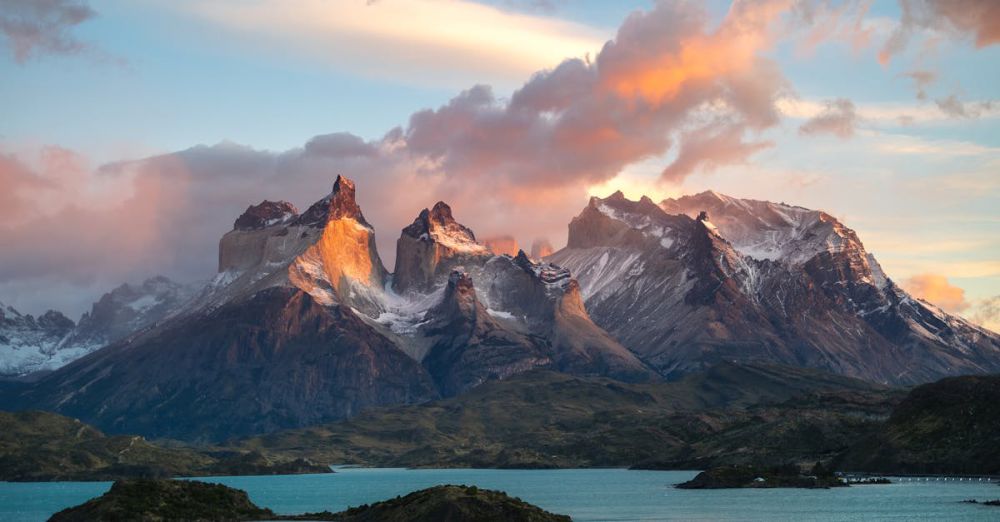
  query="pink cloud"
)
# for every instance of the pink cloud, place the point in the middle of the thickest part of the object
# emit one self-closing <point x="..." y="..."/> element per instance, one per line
<point x="936" y="289"/>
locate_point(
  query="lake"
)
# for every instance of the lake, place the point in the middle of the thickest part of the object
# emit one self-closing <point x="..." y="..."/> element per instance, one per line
<point x="584" y="494"/>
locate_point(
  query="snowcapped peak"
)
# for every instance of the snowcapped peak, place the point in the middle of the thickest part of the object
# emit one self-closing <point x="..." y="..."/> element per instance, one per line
<point x="767" y="230"/>
<point x="438" y="225"/>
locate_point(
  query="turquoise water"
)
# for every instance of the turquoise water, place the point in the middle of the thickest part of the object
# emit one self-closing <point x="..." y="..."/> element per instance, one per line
<point x="586" y="494"/>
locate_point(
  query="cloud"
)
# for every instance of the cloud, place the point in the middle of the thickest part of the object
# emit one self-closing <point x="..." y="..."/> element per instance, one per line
<point x="519" y="165"/>
<point x="901" y="114"/>
<point x="838" y="118"/>
<point x="986" y="313"/>
<point x="33" y="28"/>
<point x="978" y="20"/>
<point x="437" y="43"/>
<point x="711" y="147"/>
<point x="921" y="80"/>
<point x="955" y="108"/>
<point x="936" y="289"/>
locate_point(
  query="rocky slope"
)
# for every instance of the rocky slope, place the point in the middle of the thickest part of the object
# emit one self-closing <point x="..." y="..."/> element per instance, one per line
<point x="792" y="286"/>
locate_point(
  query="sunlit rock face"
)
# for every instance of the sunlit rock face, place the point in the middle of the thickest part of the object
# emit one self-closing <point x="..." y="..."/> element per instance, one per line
<point x="707" y="277"/>
<point x="502" y="245"/>
<point x="343" y="265"/>
<point x="327" y="251"/>
<point x="432" y="245"/>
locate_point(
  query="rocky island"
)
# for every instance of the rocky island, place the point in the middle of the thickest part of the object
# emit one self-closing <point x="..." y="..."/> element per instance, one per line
<point x="785" y="476"/>
<point x="156" y="500"/>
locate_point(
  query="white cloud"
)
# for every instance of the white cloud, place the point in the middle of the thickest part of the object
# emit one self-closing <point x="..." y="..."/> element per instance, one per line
<point x="429" y="42"/>
<point x="895" y="114"/>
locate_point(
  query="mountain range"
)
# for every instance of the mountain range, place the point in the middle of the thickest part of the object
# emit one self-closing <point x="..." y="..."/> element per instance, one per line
<point x="303" y="323"/>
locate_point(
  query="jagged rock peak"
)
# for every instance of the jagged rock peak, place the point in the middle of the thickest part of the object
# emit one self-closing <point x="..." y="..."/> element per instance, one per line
<point x="459" y="297"/>
<point x="266" y="214"/>
<point x="438" y="225"/>
<point x="548" y="273"/>
<point x="339" y="204"/>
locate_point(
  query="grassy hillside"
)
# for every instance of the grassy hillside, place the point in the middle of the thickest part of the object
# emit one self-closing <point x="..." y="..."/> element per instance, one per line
<point x="36" y="446"/>
<point x="732" y="413"/>
<point x="949" y="426"/>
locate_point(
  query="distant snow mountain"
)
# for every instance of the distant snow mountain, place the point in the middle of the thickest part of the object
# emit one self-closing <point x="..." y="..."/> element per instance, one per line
<point x="29" y="345"/>
<point x="709" y="277"/>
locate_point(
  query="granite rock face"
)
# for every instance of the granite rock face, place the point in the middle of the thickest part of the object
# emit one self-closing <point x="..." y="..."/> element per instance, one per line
<point x="431" y="247"/>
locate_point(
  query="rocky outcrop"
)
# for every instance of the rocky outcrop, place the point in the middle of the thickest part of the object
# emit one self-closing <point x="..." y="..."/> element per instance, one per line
<point x="470" y="346"/>
<point x="430" y="247"/>
<point x="794" y="287"/>
<point x="267" y="213"/>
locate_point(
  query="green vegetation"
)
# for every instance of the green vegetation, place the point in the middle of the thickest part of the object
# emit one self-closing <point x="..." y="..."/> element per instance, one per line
<point x="730" y="414"/>
<point x="163" y="500"/>
<point x="39" y="446"/>
<point x="951" y="426"/>
<point x="786" y="476"/>
<point x="454" y="503"/>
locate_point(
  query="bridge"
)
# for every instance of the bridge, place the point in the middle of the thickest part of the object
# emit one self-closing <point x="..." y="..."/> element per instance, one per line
<point x="861" y="477"/>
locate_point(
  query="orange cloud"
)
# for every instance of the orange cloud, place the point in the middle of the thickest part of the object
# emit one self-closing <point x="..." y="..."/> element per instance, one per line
<point x="936" y="289"/>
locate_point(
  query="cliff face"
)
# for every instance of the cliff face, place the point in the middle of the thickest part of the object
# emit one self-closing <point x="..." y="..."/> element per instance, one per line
<point x="430" y="247"/>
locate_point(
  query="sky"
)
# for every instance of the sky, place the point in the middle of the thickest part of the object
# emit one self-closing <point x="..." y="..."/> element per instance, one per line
<point x="133" y="133"/>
